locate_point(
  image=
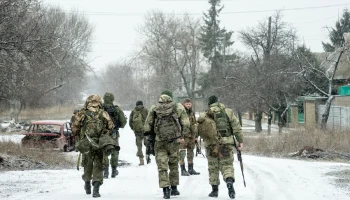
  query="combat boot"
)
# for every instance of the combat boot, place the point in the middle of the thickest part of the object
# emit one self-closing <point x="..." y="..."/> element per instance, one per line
<point x="231" y="190"/>
<point x="191" y="171"/>
<point x="174" y="191"/>
<point x="215" y="191"/>
<point x="183" y="170"/>
<point x="87" y="187"/>
<point x="114" y="172"/>
<point x="106" y="172"/>
<point x="141" y="162"/>
<point x="96" y="191"/>
<point x="166" y="192"/>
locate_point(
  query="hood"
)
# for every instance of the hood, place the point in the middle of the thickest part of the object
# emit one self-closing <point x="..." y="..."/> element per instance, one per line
<point x="217" y="104"/>
<point x="165" y="99"/>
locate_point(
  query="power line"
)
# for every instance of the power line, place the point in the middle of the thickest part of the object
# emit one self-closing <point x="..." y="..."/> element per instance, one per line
<point x="224" y="13"/>
<point x="311" y="22"/>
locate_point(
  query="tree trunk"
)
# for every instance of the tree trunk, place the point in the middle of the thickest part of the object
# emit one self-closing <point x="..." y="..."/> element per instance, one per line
<point x="15" y="109"/>
<point x="240" y="117"/>
<point x="258" y="118"/>
<point x="325" y="115"/>
<point x="269" y="119"/>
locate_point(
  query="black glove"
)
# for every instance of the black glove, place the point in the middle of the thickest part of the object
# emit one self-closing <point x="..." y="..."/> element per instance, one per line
<point x="117" y="148"/>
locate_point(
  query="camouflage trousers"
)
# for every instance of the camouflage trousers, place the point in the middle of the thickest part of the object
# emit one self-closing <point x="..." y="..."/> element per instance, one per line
<point x="220" y="159"/>
<point x="139" y="138"/>
<point x="189" y="146"/>
<point x="167" y="159"/>
<point x="114" y="156"/>
<point x="93" y="166"/>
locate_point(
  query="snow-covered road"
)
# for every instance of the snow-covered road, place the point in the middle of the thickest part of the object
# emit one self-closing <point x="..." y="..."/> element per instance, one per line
<point x="266" y="178"/>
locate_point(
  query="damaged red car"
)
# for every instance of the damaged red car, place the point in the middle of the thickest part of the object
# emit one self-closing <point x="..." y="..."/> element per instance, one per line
<point x="49" y="134"/>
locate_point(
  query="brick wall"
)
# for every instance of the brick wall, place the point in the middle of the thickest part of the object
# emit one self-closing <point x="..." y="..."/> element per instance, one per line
<point x="310" y="113"/>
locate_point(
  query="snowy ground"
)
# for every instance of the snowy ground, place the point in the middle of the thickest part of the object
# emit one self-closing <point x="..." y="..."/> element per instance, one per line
<point x="266" y="178"/>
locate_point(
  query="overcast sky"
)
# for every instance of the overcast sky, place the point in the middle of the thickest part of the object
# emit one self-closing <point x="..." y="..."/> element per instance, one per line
<point x="116" y="21"/>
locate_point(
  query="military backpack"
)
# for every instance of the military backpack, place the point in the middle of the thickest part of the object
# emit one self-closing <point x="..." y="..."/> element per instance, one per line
<point x="92" y="129"/>
<point x="222" y="121"/>
<point x="137" y="121"/>
<point x="167" y="126"/>
<point x="113" y="113"/>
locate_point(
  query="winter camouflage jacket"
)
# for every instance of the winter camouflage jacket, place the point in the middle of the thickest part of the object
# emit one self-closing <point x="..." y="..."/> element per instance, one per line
<point x="193" y="133"/>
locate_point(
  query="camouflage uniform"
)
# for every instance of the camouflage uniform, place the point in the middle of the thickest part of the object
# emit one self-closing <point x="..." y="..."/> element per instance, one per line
<point x="219" y="150"/>
<point x="139" y="134"/>
<point x="189" y="144"/>
<point x="120" y="123"/>
<point x="167" y="151"/>
<point x="92" y="160"/>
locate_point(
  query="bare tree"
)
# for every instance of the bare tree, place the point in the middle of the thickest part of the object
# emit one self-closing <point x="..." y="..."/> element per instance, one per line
<point x="42" y="50"/>
<point x="172" y="49"/>
<point x="119" y="79"/>
<point x="270" y="38"/>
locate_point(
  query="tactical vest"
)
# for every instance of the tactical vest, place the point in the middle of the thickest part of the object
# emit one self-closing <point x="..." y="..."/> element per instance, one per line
<point x="113" y="113"/>
<point x="137" y="120"/>
<point x="222" y="121"/>
<point x="167" y="126"/>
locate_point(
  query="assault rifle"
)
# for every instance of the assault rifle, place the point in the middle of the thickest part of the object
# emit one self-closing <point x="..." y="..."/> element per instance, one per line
<point x="198" y="147"/>
<point x="239" y="156"/>
<point x="150" y="146"/>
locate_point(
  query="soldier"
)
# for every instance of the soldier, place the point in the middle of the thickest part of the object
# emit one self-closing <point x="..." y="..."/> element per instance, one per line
<point x="87" y="124"/>
<point x="119" y="121"/>
<point x="73" y="116"/>
<point x="170" y="123"/>
<point x="136" y="122"/>
<point x="190" y="139"/>
<point x="219" y="128"/>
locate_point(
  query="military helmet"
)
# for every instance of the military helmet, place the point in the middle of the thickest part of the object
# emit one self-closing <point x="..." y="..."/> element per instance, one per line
<point x="108" y="97"/>
<point x="93" y="100"/>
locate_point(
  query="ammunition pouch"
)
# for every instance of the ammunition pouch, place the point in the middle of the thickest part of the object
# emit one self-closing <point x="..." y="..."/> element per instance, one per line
<point x="224" y="133"/>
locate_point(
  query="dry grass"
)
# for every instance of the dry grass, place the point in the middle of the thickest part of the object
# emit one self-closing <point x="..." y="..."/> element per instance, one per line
<point x="57" y="112"/>
<point x="296" y="139"/>
<point x="48" y="158"/>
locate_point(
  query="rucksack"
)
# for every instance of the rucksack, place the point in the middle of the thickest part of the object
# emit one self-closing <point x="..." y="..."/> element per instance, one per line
<point x="137" y="121"/>
<point x="113" y="113"/>
<point x="167" y="126"/>
<point x="222" y="122"/>
<point x="93" y="123"/>
<point x="207" y="129"/>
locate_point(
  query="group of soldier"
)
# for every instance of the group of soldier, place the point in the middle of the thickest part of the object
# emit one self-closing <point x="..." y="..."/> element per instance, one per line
<point x="169" y="131"/>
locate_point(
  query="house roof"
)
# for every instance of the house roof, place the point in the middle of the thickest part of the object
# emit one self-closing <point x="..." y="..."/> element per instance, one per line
<point x="327" y="60"/>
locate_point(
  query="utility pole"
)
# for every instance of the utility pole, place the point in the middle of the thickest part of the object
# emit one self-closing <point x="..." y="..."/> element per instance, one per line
<point x="268" y="45"/>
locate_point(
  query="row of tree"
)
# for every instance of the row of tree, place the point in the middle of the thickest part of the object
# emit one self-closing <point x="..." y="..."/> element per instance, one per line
<point x="43" y="52"/>
<point x="197" y="59"/>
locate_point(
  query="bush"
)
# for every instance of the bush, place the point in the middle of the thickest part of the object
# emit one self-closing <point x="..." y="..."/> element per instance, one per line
<point x="294" y="140"/>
